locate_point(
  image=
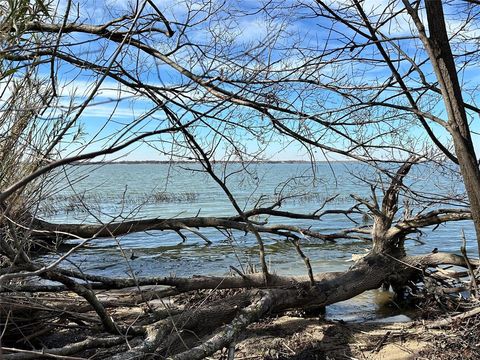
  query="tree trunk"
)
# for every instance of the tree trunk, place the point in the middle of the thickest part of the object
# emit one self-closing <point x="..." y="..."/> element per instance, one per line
<point x="443" y="63"/>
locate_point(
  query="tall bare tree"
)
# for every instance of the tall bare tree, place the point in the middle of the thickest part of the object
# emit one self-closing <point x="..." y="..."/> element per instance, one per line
<point x="437" y="45"/>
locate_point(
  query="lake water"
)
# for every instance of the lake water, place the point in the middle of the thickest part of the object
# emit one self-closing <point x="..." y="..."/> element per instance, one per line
<point x="113" y="192"/>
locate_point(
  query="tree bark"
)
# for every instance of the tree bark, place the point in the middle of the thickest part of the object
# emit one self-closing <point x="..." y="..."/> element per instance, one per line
<point x="441" y="57"/>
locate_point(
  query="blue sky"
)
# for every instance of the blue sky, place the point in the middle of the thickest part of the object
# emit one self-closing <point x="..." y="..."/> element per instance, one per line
<point x="242" y="28"/>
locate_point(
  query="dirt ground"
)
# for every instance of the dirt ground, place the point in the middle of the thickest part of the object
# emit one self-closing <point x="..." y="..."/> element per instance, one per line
<point x="296" y="338"/>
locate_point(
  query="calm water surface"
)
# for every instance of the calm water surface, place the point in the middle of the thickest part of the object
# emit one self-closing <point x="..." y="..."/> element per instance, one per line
<point x="114" y="192"/>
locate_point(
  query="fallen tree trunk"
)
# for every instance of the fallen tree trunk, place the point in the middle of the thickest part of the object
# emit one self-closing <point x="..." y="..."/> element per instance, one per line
<point x="49" y="230"/>
<point x="369" y="273"/>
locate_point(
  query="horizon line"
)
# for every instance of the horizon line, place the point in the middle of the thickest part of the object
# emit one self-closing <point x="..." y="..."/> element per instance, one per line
<point x="213" y="161"/>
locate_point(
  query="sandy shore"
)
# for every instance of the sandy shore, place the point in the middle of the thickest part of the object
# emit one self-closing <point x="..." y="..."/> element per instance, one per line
<point x="299" y="338"/>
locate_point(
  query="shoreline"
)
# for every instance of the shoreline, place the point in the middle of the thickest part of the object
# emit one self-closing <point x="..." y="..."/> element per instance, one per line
<point x="153" y="162"/>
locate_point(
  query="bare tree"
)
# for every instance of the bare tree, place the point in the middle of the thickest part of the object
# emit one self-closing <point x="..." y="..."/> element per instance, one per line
<point x="440" y="54"/>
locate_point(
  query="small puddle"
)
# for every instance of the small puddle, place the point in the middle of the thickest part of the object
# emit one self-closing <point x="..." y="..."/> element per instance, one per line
<point x="370" y="306"/>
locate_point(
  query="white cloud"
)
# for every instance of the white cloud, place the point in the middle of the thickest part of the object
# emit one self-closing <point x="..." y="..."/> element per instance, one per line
<point x="252" y="30"/>
<point x="83" y="88"/>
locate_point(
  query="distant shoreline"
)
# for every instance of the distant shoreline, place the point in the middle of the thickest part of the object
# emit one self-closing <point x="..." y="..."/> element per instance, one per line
<point x="133" y="162"/>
